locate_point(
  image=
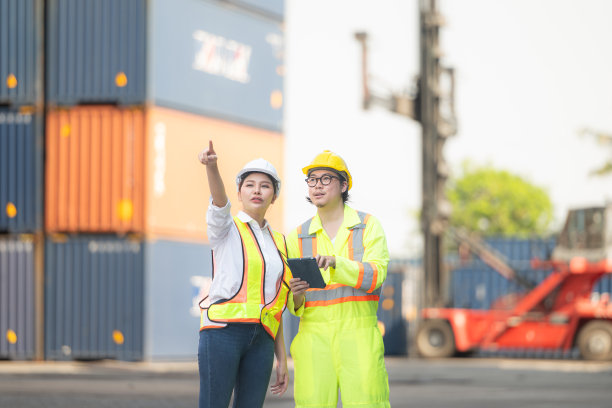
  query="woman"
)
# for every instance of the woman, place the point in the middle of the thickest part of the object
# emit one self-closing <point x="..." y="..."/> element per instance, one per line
<point x="241" y="325"/>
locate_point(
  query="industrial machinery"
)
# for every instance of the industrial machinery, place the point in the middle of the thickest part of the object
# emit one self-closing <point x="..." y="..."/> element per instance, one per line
<point x="558" y="314"/>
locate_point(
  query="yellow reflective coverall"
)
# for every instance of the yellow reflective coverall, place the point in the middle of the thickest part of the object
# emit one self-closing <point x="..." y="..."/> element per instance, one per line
<point x="339" y="345"/>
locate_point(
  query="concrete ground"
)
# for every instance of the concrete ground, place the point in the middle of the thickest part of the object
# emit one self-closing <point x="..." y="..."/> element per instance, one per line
<point x="461" y="382"/>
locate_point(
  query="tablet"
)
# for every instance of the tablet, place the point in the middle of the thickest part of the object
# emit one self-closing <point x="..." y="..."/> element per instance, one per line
<point x="307" y="269"/>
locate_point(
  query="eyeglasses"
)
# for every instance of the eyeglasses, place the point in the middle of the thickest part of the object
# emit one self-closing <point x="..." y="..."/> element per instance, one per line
<point x="325" y="180"/>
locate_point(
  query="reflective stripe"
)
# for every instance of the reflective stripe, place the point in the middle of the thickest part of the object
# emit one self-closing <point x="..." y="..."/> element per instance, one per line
<point x="307" y="242"/>
<point x="341" y="300"/>
<point x="368" y="277"/>
<point x="356" y="248"/>
<point x="338" y="292"/>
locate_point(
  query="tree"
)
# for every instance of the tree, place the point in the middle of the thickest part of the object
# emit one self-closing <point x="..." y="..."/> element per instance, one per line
<point x="497" y="203"/>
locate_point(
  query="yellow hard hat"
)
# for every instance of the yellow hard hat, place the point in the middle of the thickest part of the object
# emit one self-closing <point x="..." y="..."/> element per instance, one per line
<point x="330" y="160"/>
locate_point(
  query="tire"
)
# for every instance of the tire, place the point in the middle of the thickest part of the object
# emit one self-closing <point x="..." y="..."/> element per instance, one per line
<point x="595" y="340"/>
<point x="435" y="339"/>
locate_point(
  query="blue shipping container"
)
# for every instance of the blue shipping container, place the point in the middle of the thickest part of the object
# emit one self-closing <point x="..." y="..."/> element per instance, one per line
<point x="17" y="326"/>
<point x="20" y="171"/>
<point x="21" y="61"/>
<point x="93" y="298"/>
<point x="390" y="312"/>
<point x="96" y="51"/>
<point x="218" y="62"/>
<point x="178" y="275"/>
<point x="272" y="8"/>
<point x="475" y="285"/>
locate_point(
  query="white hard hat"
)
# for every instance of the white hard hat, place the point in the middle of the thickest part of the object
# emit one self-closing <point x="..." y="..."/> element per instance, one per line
<point x="260" y="166"/>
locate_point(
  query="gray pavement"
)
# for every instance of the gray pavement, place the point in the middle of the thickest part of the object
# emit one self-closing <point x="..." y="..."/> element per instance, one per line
<point x="458" y="383"/>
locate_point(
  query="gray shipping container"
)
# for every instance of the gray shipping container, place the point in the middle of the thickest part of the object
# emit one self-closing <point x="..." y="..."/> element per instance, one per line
<point x="95" y="51"/>
<point x="205" y="57"/>
<point x="178" y="275"/>
<point x="17" y="303"/>
<point x="21" y="49"/>
<point x="20" y="171"/>
<point x="93" y="298"/>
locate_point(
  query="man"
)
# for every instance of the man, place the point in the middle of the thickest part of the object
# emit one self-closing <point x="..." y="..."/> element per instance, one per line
<point x="339" y="345"/>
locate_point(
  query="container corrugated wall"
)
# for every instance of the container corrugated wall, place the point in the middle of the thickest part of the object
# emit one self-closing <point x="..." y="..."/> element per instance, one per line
<point x="219" y="61"/>
<point x="390" y="316"/>
<point x="94" y="304"/>
<point x="178" y="276"/>
<point x="96" y="51"/>
<point x="20" y="171"/>
<point x="177" y="190"/>
<point x="94" y="169"/>
<point x="475" y="285"/>
<point x="21" y="60"/>
<point x="17" y="303"/>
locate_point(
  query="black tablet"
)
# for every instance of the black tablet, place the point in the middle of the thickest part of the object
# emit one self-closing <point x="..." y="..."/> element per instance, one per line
<point x="307" y="269"/>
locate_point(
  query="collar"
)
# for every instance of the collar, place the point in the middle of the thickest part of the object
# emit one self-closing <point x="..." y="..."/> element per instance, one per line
<point x="246" y="218"/>
<point x="351" y="218"/>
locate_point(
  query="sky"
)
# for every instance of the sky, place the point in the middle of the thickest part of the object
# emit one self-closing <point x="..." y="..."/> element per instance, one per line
<point x="529" y="76"/>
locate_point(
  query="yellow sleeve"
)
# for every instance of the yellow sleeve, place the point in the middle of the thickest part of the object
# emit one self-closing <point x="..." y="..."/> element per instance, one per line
<point x="371" y="272"/>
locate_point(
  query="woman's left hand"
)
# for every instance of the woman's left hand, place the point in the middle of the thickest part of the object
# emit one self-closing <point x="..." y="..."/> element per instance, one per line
<point x="282" y="379"/>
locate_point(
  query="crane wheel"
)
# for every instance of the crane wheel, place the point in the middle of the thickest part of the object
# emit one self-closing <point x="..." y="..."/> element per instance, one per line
<point x="435" y="339"/>
<point x="595" y="340"/>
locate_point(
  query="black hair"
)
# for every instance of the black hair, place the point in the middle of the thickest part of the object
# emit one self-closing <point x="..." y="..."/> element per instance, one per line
<point x="245" y="175"/>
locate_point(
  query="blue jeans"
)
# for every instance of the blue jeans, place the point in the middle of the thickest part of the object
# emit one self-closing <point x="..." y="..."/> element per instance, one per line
<point x="238" y="357"/>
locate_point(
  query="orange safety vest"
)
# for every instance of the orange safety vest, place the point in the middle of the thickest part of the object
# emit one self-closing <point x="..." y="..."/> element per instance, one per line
<point x="248" y="304"/>
<point x="337" y="292"/>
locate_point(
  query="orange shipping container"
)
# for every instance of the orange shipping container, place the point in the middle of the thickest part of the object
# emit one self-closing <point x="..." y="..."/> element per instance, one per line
<point x="177" y="189"/>
<point x="94" y="169"/>
<point x="123" y="170"/>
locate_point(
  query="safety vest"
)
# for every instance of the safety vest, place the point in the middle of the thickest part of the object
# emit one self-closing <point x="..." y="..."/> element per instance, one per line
<point x="338" y="293"/>
<point x="248" y="304"/>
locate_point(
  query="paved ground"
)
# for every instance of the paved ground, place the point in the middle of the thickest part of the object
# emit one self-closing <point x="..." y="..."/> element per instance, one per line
<point x="459" y="383"/>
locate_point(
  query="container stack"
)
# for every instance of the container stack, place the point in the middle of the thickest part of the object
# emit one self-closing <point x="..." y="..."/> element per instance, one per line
<point x="21" y="161"/>
<point x="134" y="89"/>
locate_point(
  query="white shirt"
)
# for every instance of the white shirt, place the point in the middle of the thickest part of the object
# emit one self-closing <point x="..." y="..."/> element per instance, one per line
<point x="224" y="239"/>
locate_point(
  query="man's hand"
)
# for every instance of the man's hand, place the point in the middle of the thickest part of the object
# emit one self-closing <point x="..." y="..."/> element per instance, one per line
<point x="208" y="156"/>
<point x="326" y="261"/>
<point x="298" y="288"/>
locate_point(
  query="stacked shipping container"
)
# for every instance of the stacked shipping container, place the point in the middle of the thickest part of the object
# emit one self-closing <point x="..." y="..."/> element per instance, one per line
<point x="21" y="67"/>
<point x="135" y="89"/>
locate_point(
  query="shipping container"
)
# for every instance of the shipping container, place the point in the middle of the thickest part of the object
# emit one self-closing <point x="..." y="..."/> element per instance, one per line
<point x="21" y="52"/>
<point x="94" y="169"/>
<point x="391" y="321"/>
<point x="124" y="298"/>
<point x="96" y="51"/>
<point x="94" y="297"/>
<point x="177" y="190"/>
<point x="220" y="61"/>
<point x="21" y="167"/>
<point x="97" y="179"/>
<point x="177" y="275"/>
<point x="271" y="8"/>
<point x="475" y="285"/>
<point x="17" y="301"/>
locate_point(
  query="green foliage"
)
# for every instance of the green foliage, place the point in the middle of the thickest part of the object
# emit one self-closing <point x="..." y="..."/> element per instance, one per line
<point x="498" y="203"/>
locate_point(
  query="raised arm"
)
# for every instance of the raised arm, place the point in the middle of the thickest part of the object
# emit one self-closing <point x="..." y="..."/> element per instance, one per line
<point x="208" y="157"/>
